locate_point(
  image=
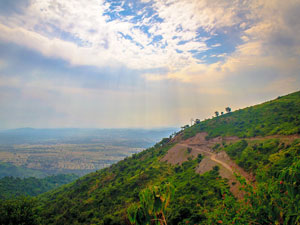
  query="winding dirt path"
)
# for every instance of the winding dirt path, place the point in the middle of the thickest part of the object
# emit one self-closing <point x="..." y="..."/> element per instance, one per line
<point x="212" y="156"/>
<point x="199" y="145"/>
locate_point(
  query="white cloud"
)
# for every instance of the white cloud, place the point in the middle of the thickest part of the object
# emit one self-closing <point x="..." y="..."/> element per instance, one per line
<point x="216" y="45"/>
<point x="53" y="47"/>
<point x="49" y="27"/>
<point x="269" y="42"/>
<point x="266" y="60"/>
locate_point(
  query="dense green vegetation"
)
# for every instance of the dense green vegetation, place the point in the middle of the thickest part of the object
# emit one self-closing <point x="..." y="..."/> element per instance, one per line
<point x="153" y="205"/>
<point x="19" y="211"/>
<point x="13" y="187"/>
<point x="103" y="197"/>
<point x="280" y="116"/>
<point x="144" y="190"/>
<point x="7" y="169"/>
<point x="253" y="154"/>
<point x="275" y="198"/>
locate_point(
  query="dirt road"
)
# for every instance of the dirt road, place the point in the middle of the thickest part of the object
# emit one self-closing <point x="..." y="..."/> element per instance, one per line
<point x="200" y="145"/>
<point x="212" y="156"/>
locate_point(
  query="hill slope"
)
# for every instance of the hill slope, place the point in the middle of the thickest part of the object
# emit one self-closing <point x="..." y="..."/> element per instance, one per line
<point x="7" y="169"/>
<point x="13" y="187"/>
<point x="137" y="188"/>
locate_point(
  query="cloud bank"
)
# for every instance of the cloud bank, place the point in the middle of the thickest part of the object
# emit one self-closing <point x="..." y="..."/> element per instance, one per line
<point x="142" y="63"/>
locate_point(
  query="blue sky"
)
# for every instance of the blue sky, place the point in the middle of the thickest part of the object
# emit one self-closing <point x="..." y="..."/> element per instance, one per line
<point x="147" y="63"/>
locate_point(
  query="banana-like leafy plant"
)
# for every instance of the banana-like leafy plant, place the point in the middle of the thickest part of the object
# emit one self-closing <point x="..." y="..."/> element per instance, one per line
<point x="151" y="210"/>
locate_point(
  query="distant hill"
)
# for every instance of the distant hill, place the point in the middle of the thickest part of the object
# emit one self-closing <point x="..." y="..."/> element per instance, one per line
<point x="12" y="187"/>
<point x="7" y="169"/>
<point x="262" y="140"/>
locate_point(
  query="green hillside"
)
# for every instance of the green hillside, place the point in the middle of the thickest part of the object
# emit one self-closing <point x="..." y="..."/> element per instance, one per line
<point x="144" y="190"/>
<point x="102" y="197"/>
<point x="12" y="187"/>
<point x="280" y="116"/>
<point x="7" y="169"/>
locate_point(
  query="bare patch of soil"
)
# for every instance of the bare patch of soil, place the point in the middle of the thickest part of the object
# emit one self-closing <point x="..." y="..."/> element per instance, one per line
<point x="178" y="154"/>
<point x="206" y="165"/>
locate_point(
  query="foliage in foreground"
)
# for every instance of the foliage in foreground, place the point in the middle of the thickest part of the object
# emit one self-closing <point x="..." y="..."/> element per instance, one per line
<point x="152" y="207"/>
<point x="19" y="211"/>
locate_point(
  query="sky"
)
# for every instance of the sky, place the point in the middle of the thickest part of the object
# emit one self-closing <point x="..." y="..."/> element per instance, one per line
<point x="147" y="63"/>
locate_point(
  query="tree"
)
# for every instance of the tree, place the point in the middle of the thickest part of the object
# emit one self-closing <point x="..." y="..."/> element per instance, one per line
<point x="189" y="150"/>
<point x="199" y="158"/>
<point x="228" y="109"/>
<point x="222" y="113"/>
<point x="217" y="113"/>
<point x="185" y="126"/>
<point x="197" y="121"/>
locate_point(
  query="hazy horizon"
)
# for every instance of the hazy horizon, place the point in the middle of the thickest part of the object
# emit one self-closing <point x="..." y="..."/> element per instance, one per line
<point x="89" y="128"/>
<point x="142" y="64"/>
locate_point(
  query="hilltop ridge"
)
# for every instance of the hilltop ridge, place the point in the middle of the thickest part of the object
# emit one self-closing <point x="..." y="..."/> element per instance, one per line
<point x="278" y="116"/>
